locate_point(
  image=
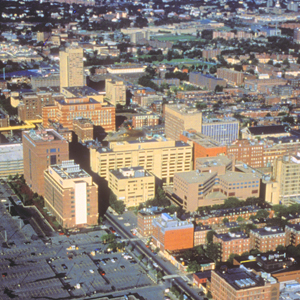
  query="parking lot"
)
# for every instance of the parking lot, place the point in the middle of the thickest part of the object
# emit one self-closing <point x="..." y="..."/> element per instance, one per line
<point x="34" y="268"/>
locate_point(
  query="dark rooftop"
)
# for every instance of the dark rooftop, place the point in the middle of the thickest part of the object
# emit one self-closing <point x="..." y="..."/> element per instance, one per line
<point x="275" y="129"/>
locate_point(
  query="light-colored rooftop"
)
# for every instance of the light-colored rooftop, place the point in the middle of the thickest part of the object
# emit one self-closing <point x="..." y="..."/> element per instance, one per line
<point x="196" y="176"/>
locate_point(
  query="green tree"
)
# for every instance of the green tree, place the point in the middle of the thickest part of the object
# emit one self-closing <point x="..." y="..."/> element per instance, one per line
<point x="108" y="238"/>
<point x="231" y="257"/>
<point x="212" y="251"/>
<point x="218" y="88"/>
<point x="209" y="236"/>
<point x="240" y="219"/>
<point x="280" y="248"/>
<point x="225" y="220"/>
<point x="201" y="105"/>
<point x="262" y="213"/>
<point x="193" y="266"/>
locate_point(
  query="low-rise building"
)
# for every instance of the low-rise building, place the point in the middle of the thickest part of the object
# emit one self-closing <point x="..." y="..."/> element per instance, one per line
<point x="145" y="218"/>
<point x="267" y="238"/>
<point x="200" y="233"/>
<point x="133" y="185"/>
<point x="232" y="243"/>
<point x="292" y="234"/>
<point x="169" y="233"/>
<point x="84" y="129"/>
<point x="236" y="284"/>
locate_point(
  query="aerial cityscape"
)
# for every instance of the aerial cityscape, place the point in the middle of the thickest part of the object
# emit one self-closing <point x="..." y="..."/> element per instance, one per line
<point x="150" y="149"/>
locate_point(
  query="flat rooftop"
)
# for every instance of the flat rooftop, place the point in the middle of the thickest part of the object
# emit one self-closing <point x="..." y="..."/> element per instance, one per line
<point x="272" y="230"/>
<point x="238" y="176"/>
<point x="213" y="161"/>
<point x="46" y="135"/>
<point x="184" y="109"/>
<point x="81" y="91"/>
<point x="133" y="172"/>
<point x="241" y="279"/>
<point x="232" y="236"/>
<point x="69" y="170"/>
<point x="196" y="176"/>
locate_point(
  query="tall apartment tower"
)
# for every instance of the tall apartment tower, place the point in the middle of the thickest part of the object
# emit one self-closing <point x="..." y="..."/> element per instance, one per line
<point x="71" y="67"/>
<point x="42" y="148"/>
<point x="115" y="92"/>
<point x="71" y="195"/>
<point x="179" y="118"/>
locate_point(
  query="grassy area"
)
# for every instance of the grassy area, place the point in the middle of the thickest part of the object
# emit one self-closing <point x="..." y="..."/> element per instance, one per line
<point x="175" y="38"/>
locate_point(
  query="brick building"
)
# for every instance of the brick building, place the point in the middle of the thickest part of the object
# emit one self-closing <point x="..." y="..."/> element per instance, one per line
<point x="65" y="111"/>
<point x="211" y="53"/>
<point x="145" y="219"/>
<point x="169" y="233"/>
<point x="231" y="76"/>
<point x="248" y="152"/>
<point x="232" y="243"/>
<point x="206" y="81"/>
<point x="141" y="120"/>
<point x="42" y="148"/>
<point x="4" y="119"/>
<point x="237" y="284"/>
<point x="200" y="233"/>
<point x="31" y="104"/>
<point x="70" y="195"/>
<point x="203" y="146"/>
<point x="267" y="238"/>
<point x="84" y="129"/>
<point x="292" y="234"/>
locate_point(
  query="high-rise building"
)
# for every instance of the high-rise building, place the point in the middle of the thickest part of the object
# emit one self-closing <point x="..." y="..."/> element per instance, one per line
<point x="71" y="195"/>
<point x="71" y="67"/>
<point x="284" y="185"/>
<point x="42" y="148"/>
<point x="115" y="92"/>
<point x="223" y="130"/>
<point x="132" y="185"/>
<point x="162" y="157"/>
<point x="179" y="118"/>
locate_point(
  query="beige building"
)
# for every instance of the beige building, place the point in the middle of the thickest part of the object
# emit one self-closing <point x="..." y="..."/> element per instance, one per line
<point x="212" y="182"/>
<point x="71" y="195"/>
<point x="71" y="67"/>
<point x="284" y="185"/>
<point x="132" y="185"/>
<point x="179" y="118"/>
<point x="162" y="157"/>
<point x="115" y="92"/>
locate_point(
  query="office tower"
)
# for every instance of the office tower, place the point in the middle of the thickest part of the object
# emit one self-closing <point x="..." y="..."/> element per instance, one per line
<point x="42" y="148"/>
<point x="115" y="92"/>
<point x="223" y="130"/>
<point x="71" y="67"/>
<point x="71" y="195"/>
<point x="179" y="118"/>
